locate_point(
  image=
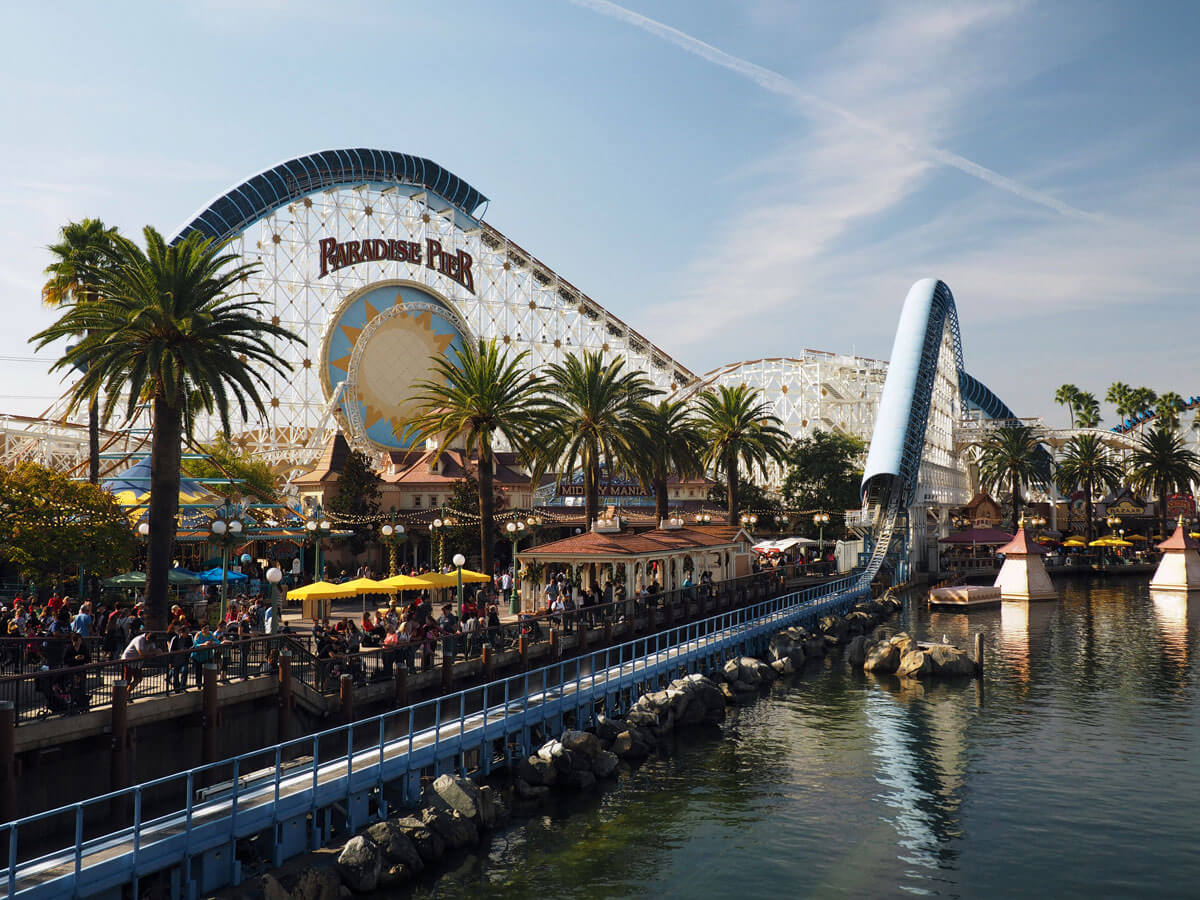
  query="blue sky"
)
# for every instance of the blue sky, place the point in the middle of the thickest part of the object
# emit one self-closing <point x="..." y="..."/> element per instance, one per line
<point x="778" y="189"/>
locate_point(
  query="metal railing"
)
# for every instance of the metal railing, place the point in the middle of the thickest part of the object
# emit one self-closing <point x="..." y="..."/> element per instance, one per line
<point x="28" y="654"/>
<point x="165" y="822"/>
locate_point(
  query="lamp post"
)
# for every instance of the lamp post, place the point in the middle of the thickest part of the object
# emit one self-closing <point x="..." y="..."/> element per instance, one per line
<point x="225" y="529"/>
<point x="392" y="534"/>
<point x="821" y="520"/>
<point x="1113" y="522"/>
<point x="703" y="518"/>
<point x="274" y="576"/>
<point x="459" y="561"/>
<point x="515" y="530"/>
<point x="317" y="527"/>
<point x="438" y="524"/>
<point x="749" y="520"/>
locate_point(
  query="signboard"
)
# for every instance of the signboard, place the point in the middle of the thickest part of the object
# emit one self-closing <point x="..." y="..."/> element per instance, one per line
<point x="1126" y="507"/>
<point x="605" y="488"/>
<point x="1181" y="505"/>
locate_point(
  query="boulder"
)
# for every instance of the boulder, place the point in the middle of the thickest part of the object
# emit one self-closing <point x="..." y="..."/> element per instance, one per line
<point x="549" y="750"/>
<point x="631" y="744"/>
<point x="607" y="729"/>
<point x="903" y="642"/>
<point x="397" y="847"/>
<point x="882" y="658"/>
<point x="605" y="764"/>
<point x="453" y="792"/>
<point x="783" y="666"/>
<point x="428" y="842"/>
<point x="564" y="762"/>
<point x="950" y="661"/>
<point x="914" y="664"/>
<point x="856" y="650"/>
<point x="860" y="622"/>
<point x="360" y="863"/>
<point x="396" y="875"/>
<point x="270" y="888"/>
<point x="814" y="647"/>
<point x="537" y="771"/>
<point x="317" y="883"/>
<point x="579" y="780"/>
<point x="489" y="814"/>
<point x="582" y="742"/>
<point x="527" y="791"/>
<point x="453" y="827"/>
<point x="835" y="628"/>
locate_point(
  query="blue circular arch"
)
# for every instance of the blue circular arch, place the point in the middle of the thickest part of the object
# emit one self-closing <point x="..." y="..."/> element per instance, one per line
<point x="259" y="195"/>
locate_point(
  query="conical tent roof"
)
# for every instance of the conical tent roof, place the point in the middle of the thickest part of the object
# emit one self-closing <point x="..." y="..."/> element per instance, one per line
<point x="132" y="486"/>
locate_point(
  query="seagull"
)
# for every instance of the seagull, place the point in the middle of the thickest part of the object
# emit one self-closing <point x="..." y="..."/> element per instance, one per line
<point x="945" y="639"/>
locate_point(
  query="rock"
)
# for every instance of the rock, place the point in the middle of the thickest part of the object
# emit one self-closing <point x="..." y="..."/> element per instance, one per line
<point x="428" y="842"/>
<point x="814" y="647"/>
<point x="579" y="780"/>
<point x="631" y="745"/>
<point x="564" y="762"/>
<point x="360" y="863"/>
<point x="856" y="651"/>
<point x="882" y="658"/>
<point x="549" y="750"/>
<point x="488" y="813"/>
<point x="397" y="846"/>
<point x="453" y="827"/>
<point x="582" y="742"/>
<point x="453" y="792"/>
<point x="271" y="889"/>
<point x="607" y="729"/>
<point x="538" y="771"/>
<point x="950" y="661"/>
<point x="783" y="666"/>
<point x="605" y="764"/>
<point x="903" y="643"/>
<point x="835" y="628"/>
<point x="860" y="622"/>
<point x="914" y="664"/>
<point x="317" y="883"/>
<point x="527" y="791"/>
<point x="344" y="893"/>
<point x="394" y="876"/>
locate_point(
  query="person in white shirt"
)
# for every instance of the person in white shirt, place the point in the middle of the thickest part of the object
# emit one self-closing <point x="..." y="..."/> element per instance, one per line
<point x="135" y="651"/>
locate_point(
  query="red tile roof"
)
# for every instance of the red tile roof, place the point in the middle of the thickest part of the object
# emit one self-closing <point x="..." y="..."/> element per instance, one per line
<point x="1180" y="540"/>
<point x="1023" y="545"/>
<point x="628" y="543"/>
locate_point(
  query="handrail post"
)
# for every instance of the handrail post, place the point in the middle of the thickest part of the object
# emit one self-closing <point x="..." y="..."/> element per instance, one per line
<point x="284" y="729"/>
<point x="401" y="692"/>
<point x="119" y="770"/>
<point x="346" y="695"/>
<point x="210" y="716"/>
<point x="8" y="761"/>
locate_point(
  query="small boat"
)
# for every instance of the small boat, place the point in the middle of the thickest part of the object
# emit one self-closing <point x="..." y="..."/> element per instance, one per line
<point x="965" y="597"/>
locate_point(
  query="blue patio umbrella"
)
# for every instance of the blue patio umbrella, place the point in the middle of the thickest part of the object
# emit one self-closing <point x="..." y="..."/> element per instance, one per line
<point x="213" y="576"/>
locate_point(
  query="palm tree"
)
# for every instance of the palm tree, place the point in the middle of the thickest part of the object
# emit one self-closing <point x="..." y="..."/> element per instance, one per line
<point x="478" y="397"/>
<point x="1140" y="400"/>
<point x="1068" y="395"/>
<point x="1087" y="410"/>
<point x="1012" y="456"/>
<point x="1118" y="395"/>
<point x="81" y="244"/>
<point x="1086" y="463"/>
<point x="1160" y="463"/>
<point x="671" y="444"/>
<point x="595" y="412"/>
<point x="1167" y="409"/>
<point x="739" y="430"/>
<point x="172" y="331"/>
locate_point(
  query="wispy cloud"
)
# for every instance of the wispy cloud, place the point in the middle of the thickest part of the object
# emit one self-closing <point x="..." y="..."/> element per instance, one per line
<point x="948" y="22"/>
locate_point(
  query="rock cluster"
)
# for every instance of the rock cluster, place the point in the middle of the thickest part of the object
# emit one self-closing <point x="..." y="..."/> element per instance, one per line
<point x="578" y="759"/>
<point x="899" y="654"/>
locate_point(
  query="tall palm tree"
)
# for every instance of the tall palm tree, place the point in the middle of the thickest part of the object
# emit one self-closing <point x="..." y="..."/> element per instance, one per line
<point x="738" y="429"/>
<point x="1012" y="456"/>
<point x="1087" y="410"/>
<point x="1141" y="399"/>
<point x="80" y="244"/>
<point x="173" y="331"/>
<point x="1068" y="395"/>
<point x="478" y="397"/>
<point x="671" y="444"/>
<point x="1161" y="462"/>
<point x="595" y="411"/>
<point x="1167" y="408"/>
<point x="1087" y="463"/>
<point x="1118" y="395"/>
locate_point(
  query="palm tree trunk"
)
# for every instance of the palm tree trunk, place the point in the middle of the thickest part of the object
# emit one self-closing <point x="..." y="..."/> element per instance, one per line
<point x="487" y="509"/>
<point x="1016" y="501"/>
<point x="165" y="459"/>
<point x="591" y="491"/>
<point x="94" y="441"/>
<point x="1087" y="506"/>
<point x="659" y="486"/>
<point x="731" y="478"/>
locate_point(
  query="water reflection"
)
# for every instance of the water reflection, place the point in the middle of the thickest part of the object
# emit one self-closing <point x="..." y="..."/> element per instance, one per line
<point x="1021" y="625"/>
<point x="1175" y="613"/>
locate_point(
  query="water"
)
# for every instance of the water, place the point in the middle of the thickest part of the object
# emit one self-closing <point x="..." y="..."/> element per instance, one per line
<point x="1070" y="770"/>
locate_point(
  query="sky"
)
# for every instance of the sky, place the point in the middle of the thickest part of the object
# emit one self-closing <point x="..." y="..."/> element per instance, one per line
<point x="735" y="179"/>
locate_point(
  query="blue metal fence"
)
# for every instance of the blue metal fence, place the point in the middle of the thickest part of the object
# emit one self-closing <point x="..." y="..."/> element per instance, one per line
<point x="294" y="794"/>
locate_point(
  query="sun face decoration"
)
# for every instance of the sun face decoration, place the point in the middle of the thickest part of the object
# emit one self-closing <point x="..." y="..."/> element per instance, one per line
<point x="383" y="342"/>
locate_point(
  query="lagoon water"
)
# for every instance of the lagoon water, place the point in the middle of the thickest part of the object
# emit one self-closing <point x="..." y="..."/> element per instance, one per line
<point x="1071" y="770"/>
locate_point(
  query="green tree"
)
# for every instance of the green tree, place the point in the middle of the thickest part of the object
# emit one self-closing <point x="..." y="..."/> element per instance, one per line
<point x="824" y="472"/>
<point x="1141" y="400"/>
<point x="739" y="430"/>
<point x="1087" y="410"/>
<point x="1011" y="456"/>
<point x="1086" y="463"/>
<point x="481" y="396"/>
<point x="1118" y="394"/>
<point x="51" y="527"/>
<point x="596" y="411"/>
<point x="1167" y="408"/>
<point x="671" y="444"/>
<point x="173" y="331"/>
<point x="1162" y="462"/>
<point x="357" y="498"/>
<point x="752" y="497"/>
<point x="1068" y="395"/>
<point x="246" y="474"/>
<point x="81" y="244"/>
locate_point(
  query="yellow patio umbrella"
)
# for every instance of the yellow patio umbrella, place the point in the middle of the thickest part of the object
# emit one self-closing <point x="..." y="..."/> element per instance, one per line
<point x="318" y="590"/>
<point x="450" y="579"/>
<point x="400" y="583"/>
<point x="1075" y="541"/>
<point x="1135" y="537"/>
<point x="363" y="586"/>
<point x="1103" y="542"/>
<point x="1119" y="542"/>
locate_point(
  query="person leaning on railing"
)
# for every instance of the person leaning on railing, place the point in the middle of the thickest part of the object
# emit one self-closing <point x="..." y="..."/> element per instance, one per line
<point x="203" y="650"/>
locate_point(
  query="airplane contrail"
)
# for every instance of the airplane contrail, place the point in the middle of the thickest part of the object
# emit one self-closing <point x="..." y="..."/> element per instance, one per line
<point x="772" y="81"/>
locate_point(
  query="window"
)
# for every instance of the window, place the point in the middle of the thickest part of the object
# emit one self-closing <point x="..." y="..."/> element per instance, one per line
<point x="416" y="501"/>
<point x="433" y="500"/>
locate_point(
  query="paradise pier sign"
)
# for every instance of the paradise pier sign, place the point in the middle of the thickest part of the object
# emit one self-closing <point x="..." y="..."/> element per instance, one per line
<point x="337" y="254"/>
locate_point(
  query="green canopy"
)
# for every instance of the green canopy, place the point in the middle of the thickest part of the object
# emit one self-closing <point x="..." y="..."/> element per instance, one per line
<point x="178" y="577"/>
